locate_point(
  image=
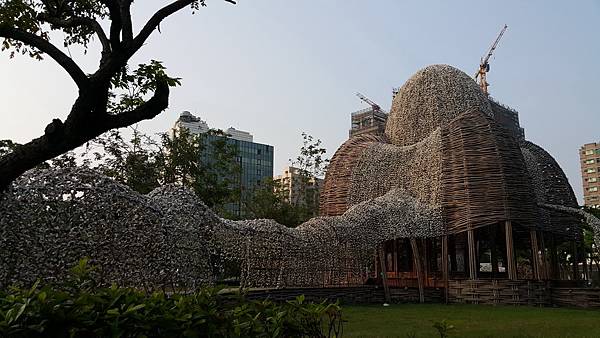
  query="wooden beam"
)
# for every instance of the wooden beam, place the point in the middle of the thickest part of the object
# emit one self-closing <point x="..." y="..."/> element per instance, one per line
<point x="418" y="267"/>
<point x="535" y="254"/>
<point x="510" y="251"/>
<point x="472" y="254"/>
<point x="545" y="266"/>
<point x="445" y="265"/>
<point x="386" y="289"/>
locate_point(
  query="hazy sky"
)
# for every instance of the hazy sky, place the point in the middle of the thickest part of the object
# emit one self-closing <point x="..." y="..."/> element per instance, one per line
<point x="277" y="68"/>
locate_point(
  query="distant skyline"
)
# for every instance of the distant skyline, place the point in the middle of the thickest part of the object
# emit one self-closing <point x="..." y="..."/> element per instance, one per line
<point x="280" y="68"/>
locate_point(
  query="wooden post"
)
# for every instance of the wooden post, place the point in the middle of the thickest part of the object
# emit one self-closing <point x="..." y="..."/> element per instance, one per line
<point x="418" y="267"/>
<point x="445" y="265"/>
<point x="395" y="258"/>
<point x="472" y="254"/>
<point x="425" y="260"/>
<point x="535" y="254"/>
<point x="545" y="266"/>
<point x="510" y="252"/>
<point x="575" y="261"/>
<point x="386" y="289"/>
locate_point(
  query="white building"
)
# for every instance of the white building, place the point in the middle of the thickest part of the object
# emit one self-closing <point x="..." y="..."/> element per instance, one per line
<point x="239" y="135"/>
<point x="196" y="125"/>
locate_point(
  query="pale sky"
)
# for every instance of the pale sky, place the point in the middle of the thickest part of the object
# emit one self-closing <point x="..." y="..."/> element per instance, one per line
<point x="277" y="68"/>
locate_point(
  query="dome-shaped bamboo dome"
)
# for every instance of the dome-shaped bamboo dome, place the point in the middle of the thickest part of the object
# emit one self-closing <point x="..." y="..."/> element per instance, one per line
<point x="430" y="98"/>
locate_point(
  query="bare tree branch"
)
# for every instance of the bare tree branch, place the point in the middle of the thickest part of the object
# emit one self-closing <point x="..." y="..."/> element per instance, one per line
<point x="155" y="20"/>
<point x="44" y="46"/>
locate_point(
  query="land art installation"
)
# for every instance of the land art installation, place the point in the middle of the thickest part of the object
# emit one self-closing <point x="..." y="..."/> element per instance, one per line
<point x="444" y="192"/>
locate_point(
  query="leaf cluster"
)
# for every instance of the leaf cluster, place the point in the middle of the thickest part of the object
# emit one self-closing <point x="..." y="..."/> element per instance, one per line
<point x="81" y="309"/>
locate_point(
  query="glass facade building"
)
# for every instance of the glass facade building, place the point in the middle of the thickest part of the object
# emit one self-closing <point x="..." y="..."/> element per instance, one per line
<point x="254" y="159"/>
<point x="256" y="164"/>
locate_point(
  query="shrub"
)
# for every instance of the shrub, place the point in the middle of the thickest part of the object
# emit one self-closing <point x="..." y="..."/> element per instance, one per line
<point x="81" y="309"/>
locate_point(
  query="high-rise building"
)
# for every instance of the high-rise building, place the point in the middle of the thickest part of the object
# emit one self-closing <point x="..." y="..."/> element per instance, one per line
<point x="368" y="121"/>
<point x="299" y="188"/>
<point x="255" y="159"/>
<point x="589" y="155"/>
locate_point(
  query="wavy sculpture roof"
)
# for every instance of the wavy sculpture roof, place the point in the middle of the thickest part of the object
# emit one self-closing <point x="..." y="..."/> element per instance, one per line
<point x="444" y="166"/>
<point x="444" y="148"/>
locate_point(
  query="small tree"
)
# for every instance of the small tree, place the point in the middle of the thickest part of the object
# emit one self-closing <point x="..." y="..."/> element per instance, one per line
<point x="274" y="200"/>
<point x="109" y="98"/>
<point x="202" y="162"/>
<point x="311" y="166"/>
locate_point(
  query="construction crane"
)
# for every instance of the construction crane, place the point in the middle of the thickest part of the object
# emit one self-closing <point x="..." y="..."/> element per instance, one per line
<point x="484" y="66"/>
<point x="368" y="101"/>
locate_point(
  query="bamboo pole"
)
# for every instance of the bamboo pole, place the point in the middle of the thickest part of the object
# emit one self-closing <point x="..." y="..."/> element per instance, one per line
<point x="545" y="265"/>
<point x="445" y="265"/>
<point x="510" y="251"/>
<point x="386" y="289"/>
<point x="472" y="254"/>
<point x="535" y="257"/>
<point x="418" y="266"/>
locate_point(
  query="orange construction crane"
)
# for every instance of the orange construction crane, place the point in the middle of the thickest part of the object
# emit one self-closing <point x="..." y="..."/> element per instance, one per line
<point x="484" y="66"/>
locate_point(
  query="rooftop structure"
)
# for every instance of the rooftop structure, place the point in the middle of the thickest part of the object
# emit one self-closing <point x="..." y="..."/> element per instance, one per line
<point x="194" y="124"/>
<point x="589" y="155"/>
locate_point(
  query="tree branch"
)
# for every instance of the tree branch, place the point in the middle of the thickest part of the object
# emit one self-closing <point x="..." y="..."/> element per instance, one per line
<point x="155" y="20"/>
<point x="115" y="22"/>
<point x="80" y="21"/>
<point x="146" y="111"/>
<point x="127" y="32"/>
<point x="43" y="45"/>
<point x="159" y="16"/>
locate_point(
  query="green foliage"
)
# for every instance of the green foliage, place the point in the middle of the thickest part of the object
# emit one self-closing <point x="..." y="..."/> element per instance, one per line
<point x="272" y="198"/>
<point x="135" y="86"/>
<point x="444" y="328"/>
<point x="311" y="165"/>
<point x="204" y="163"/>
<point x="41" y="17"/>
<point x="81" y="309"/>
<point x="130" y="162"/>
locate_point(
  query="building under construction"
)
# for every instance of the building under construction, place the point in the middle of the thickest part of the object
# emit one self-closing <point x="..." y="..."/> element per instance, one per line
<point x="369" y="120"/>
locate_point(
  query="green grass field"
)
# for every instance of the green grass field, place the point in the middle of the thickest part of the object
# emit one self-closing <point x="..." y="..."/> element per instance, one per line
<point x="416" y="320"/>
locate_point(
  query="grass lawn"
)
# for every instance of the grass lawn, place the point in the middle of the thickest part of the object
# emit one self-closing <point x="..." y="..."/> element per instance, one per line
<point x="416" y="320"/>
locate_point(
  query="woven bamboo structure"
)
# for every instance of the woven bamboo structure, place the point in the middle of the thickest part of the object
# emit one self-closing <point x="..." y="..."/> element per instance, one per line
<point x="445" y="148"/>
<point x="448" y="199"/>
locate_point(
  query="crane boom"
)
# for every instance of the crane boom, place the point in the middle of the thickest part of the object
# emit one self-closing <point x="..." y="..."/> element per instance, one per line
<point x="368" y="101"/>
<point x="494" y="45"/>
<point x="484" y="66"/>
